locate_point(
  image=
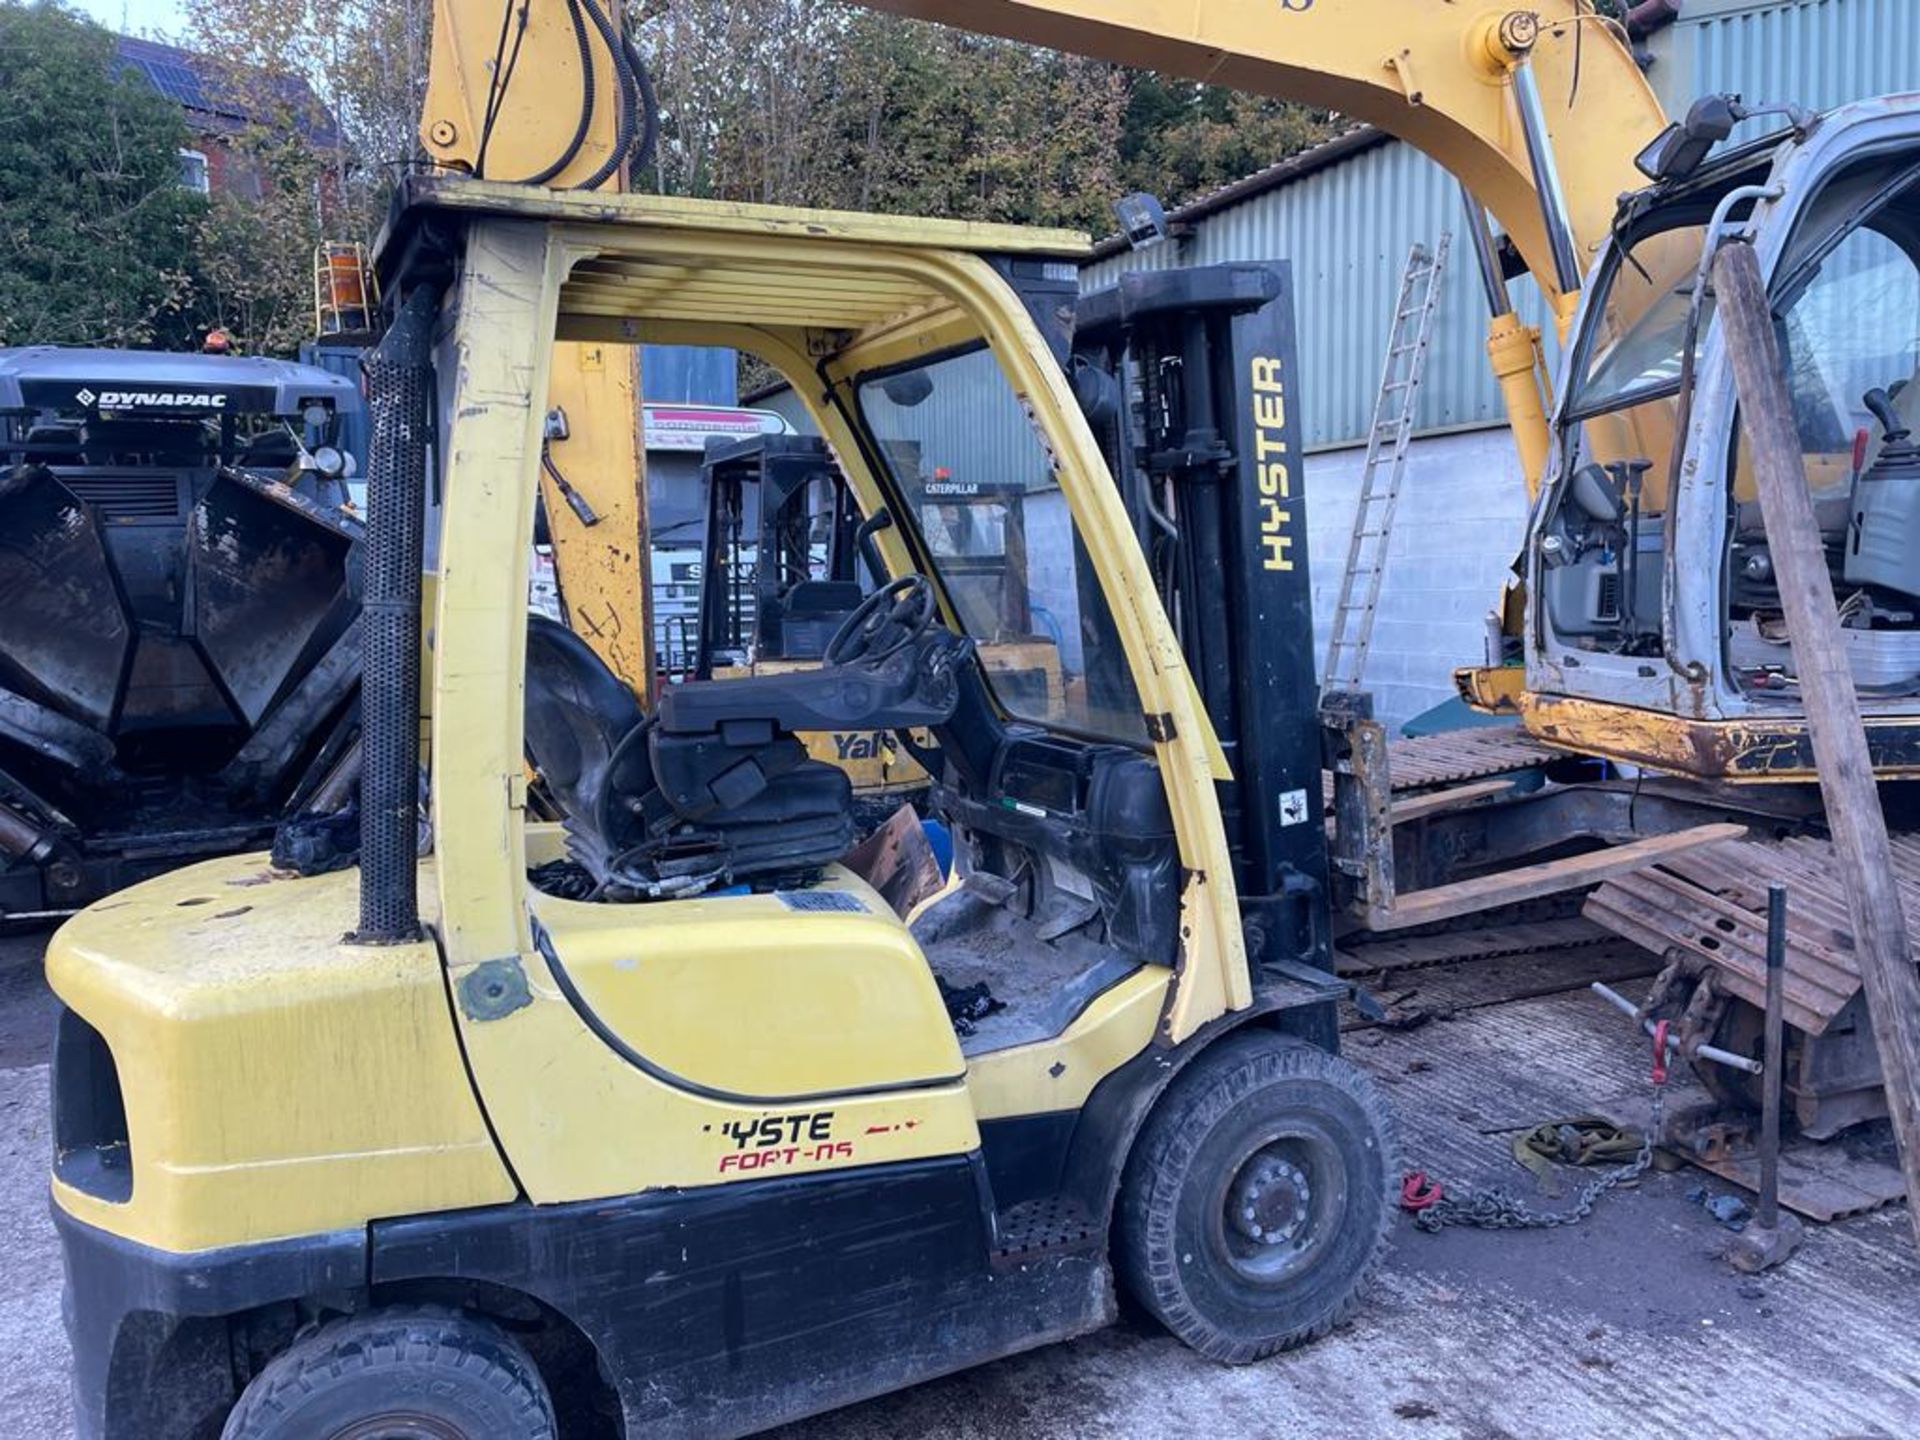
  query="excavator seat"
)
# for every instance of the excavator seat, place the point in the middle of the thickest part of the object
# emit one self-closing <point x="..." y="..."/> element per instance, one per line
<point x="648" y="820"/>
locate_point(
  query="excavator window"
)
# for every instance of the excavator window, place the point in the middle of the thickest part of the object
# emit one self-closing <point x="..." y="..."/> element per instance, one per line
<point x="978" y="484"/>
<point x="1847" y="301"/>
<point x="1654" y="284"/>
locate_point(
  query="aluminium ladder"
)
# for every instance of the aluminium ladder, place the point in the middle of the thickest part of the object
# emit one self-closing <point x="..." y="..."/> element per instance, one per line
<point x="1386" y="465"/>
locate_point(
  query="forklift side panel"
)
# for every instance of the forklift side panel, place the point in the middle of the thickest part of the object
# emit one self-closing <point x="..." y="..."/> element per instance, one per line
<point x="721" y="1312"/>
<point x="694" y="992"/>
<point x="269" y="1089"/>
<point x="147" y="1327"/>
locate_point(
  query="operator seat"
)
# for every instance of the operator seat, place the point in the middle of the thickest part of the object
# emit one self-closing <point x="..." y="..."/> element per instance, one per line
<point x="714" y="786"/>
<point x="751" y="803"/>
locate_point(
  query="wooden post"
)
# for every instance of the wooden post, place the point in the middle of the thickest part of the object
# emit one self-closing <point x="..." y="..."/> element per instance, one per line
<point x="1826" y="684"/>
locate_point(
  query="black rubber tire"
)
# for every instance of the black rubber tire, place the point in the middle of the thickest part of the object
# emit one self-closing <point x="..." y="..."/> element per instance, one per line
<point x="445" y="1375"/>
<point x="1251" y="1090"/>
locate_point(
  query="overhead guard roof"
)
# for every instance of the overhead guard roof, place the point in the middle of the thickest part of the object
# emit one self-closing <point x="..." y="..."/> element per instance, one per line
<point x="689" y="260"/>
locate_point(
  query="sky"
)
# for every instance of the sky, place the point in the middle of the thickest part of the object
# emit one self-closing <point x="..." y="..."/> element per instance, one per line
<point x="166" y="18"/>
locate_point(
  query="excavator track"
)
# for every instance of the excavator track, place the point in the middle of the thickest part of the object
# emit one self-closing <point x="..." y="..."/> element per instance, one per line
<point x="1711" y="905"/>
<point x="1461" y="755"/>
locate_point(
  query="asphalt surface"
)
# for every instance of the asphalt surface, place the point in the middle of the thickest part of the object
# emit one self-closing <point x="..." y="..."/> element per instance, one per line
<point x="1628" y="1325"/>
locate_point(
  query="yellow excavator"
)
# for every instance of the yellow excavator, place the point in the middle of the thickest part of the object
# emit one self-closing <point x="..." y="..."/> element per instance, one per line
<point x="661" y="1120"/>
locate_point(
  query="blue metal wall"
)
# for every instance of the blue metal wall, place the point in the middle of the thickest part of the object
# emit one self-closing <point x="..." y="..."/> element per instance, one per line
<point x="689" y="375"/>
<point x="1348" y="230"/>
<point x="1818" y="53"/>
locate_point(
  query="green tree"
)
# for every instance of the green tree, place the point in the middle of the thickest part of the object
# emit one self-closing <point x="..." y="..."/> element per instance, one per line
<point x="1181" y="139"/>
<point x="252" y="254"/>
<point x="812" y="102"/>
<point x="94" y="222"/>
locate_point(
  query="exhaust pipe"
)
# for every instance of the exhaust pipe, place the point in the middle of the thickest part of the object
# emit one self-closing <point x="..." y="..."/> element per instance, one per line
<point x="399" y="376"/>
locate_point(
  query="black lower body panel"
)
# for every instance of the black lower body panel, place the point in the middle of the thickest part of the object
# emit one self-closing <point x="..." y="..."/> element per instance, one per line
<point x="148" y="1327"/>
<point x="720" y="1312"/>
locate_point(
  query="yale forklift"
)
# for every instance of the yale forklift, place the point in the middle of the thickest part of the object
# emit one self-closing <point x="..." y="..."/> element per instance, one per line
<point x="652" y="1120"/>
<point x="786" y="556"/>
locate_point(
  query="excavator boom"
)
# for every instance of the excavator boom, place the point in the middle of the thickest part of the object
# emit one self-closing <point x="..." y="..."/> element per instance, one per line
<point x="1437" y="75"/>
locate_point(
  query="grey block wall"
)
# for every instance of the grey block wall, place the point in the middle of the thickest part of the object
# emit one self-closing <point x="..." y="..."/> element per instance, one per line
<point x="1463" y="507"/>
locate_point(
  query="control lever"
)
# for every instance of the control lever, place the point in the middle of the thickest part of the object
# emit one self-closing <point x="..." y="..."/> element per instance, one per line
<point x="1630" y="476"/>
<point x="1881" y="404"/>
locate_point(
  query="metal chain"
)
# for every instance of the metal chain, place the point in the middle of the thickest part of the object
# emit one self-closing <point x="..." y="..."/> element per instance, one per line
<point x="1499" y="1209"/>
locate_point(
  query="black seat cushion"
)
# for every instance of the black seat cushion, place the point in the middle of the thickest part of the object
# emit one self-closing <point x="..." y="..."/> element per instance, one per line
<point x="748" y="803"/>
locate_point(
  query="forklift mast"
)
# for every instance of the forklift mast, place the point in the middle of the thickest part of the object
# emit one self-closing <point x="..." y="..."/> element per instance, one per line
<point x="1188" y="378"/>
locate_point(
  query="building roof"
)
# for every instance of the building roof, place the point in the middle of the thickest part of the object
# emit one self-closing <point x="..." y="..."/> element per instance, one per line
<point x="228" y="98"/>
<point x="1327" y="153"/>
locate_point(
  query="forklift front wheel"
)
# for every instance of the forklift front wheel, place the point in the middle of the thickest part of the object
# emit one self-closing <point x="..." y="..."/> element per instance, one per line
<point x="397" y="1375"/>
<point x="1257" y="1203"/>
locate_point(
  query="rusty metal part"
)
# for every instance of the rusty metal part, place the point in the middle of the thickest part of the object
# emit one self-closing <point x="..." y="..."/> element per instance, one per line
<point x="1745" y="751"/>
<point x="1706" y="1008"/>
<point x="1360" y="785"/>
<point x="1662" y="1032"/>
<point x="22" y="839"/>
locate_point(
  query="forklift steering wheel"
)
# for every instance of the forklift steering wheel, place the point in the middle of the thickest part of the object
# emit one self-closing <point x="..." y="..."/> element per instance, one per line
<point x="885" y="623"/>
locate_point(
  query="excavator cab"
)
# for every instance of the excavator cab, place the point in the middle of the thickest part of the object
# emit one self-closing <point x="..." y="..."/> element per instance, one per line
<point x="661" y="1113"/>
<point x="1656" y="636"/>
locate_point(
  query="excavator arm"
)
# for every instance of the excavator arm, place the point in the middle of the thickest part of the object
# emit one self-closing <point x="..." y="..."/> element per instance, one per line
<point x="549" y="92"/>
<point x="1460" y="81"/>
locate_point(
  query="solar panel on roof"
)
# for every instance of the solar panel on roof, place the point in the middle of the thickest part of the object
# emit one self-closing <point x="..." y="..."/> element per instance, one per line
<point x="173" y="73"/>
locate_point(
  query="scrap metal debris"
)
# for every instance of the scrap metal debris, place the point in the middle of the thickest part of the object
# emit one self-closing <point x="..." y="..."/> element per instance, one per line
<point x="968" y="1005"/>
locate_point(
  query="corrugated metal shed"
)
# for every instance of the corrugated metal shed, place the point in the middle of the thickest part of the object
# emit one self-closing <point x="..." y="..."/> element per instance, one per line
<point x="1347" y="228"/>
<point x="1818" y="53"/>
<point x="690" y="374"/>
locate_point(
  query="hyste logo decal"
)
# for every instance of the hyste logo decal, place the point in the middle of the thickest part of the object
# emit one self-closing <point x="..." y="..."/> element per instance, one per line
<point x="774" y="1142"/>
<point x="150" y="400"/>
<point x="1273" y="459"/>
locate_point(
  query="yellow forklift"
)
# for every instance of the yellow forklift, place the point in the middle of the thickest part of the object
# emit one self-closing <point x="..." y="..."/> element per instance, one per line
<point x="680" y="1138"/>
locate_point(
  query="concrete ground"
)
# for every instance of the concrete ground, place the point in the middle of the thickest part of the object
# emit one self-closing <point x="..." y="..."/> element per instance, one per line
<point x="1628" y="1325"/>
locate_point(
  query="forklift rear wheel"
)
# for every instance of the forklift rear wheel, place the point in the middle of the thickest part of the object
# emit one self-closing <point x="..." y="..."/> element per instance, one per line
<point x="1258" y="1201"/>
<point x="397" y="1375"/>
